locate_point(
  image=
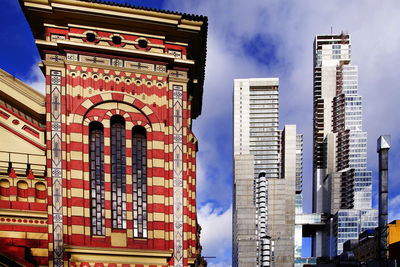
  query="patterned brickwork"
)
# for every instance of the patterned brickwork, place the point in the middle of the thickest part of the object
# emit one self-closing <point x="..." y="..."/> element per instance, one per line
<point x="115" y="183"/>
<point x="21" y="234"/>
<point x="102" y="113"/>
<point x="23" y="187"/>
<point x="14" y="196"/>
<point x="104" y="38"/>
<point x="143" y="104"/>
<point x="23" y="218"/>
<point x="191" y="197"/>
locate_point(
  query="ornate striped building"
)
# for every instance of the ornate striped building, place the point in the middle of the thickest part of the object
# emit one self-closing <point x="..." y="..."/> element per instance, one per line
<point x="101" y="171"/>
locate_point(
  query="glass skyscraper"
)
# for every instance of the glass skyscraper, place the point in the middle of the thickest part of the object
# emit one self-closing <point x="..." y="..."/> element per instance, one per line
<point x="342" y="185"/>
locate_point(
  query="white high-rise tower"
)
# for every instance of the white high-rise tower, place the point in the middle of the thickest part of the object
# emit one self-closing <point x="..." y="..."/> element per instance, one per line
<point x="264" y="182"/>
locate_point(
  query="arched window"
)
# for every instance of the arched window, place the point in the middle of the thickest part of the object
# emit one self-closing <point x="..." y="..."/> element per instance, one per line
<point x="22" y="191"/>
<point x="4" y="189"/>
<point x="118" y="172"/>
<point x="139" y="181"/>
<point x="40" y="192"/>
<point x="96" y="158"/>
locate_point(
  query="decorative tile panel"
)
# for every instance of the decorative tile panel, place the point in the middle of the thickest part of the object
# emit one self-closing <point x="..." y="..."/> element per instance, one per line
<point x="55" y="37"/>
<point x="72" y="57"/>
<point x="178" y="195"/>
<point x="54" y="58"/>
<point x="139" y="65"/>
<point x="115" y="62"/>
<point x="177" y="73"/>
<point x="56" y="166"/>
<point x="161" y="68"/>
<point x="95" y="60"/>
<point x="175" y="53"/>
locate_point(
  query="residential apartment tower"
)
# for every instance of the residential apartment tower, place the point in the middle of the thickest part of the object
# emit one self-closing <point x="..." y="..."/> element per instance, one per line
<point x="265" y="175"/>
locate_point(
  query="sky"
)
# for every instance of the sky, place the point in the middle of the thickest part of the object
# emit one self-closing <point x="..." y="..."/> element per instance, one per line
<point x="263" y="38"/>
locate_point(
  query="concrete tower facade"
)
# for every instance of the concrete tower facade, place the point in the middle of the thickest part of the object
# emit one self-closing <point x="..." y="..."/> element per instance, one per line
<point x="264" y="183"/>
<point x="342" y="185"/>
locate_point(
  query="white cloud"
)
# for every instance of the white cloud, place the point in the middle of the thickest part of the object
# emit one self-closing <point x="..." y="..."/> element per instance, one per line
<point x="216" y="234"/>
<point x="395" y="201"/>
<point x="36" y="79"/>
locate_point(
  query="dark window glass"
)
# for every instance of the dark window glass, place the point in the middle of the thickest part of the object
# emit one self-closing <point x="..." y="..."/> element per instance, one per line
<point x="96" y="159"/>
<point x="139" y="180"/>
<point x="118" y="173"/>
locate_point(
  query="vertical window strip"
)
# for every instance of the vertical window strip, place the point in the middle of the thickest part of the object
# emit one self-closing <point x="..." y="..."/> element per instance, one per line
<point x="96" y="150"/>
<point x="139" y="179"/>
<point x="118" y="174"/>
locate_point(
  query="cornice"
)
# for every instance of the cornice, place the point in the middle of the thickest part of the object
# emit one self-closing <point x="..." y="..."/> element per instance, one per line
<point x="129" y="70"/>
<point x="119" y="251"/>
<point x="127" y="10"/>
<point x="28" y="214"/>
<point x="135" y="53"/>
<point x="111" y="30"/>
<point x="22" y="88"/>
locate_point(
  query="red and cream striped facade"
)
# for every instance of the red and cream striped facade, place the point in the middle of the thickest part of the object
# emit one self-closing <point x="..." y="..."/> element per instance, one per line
<point x="147" y="80"/>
